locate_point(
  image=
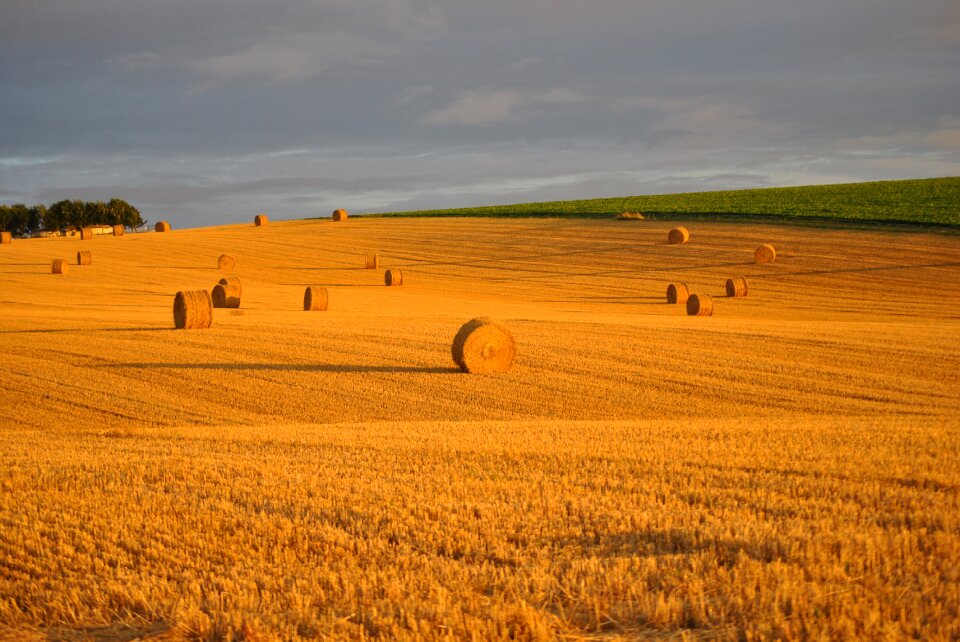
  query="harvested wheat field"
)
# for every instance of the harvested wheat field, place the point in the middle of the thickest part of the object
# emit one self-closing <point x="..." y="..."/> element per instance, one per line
<point x="785" y="468"/>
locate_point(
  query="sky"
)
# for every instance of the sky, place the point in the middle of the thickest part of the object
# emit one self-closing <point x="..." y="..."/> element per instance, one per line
<point x="204" y="112"/>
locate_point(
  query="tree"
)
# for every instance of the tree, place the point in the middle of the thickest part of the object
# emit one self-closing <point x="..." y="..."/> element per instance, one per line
<point x="64" y="214"/>
<point x="123" y="213"/>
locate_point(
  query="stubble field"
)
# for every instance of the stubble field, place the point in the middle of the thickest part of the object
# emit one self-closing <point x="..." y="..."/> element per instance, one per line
<point x="787" y="468"/>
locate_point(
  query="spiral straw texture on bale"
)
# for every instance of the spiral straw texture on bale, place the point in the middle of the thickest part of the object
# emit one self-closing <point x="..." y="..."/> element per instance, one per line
<point x="700" y="305"/>
<point x="5" y="238"/>
<point x="483" y="346"/>
<point x="339" y="215"/>
<point x="86" y="234"/>
<point x="225" y="296"/>
<point x="233" y="281"/>
<point x="677" y="293"/>
<point x="766" y="253"/>
<point x="737" y="286"/>
<point x="678" y="236"/>
<point x="162" y="226"/>
<point x="59" y="266"/>
<point x="371" y="261"/>
<point x="192" y="310"/>
<point x="118" y="230"/>
<point x="393" y="277"/>
<point x="260" y="220"/>
<point x="226" y="262"/>
<point x="315" y="299"/>
<point x="84" y="258"/>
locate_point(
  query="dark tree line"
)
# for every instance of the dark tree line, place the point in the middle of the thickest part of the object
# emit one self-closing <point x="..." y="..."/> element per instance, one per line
<point x="21" y="220"/>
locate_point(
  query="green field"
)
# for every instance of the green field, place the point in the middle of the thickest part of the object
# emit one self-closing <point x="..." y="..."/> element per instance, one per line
<point x="934" y="201"/>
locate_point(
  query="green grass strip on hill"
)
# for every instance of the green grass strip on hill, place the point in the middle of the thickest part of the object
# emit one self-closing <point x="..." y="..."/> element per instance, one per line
<point x="933" y="201"/>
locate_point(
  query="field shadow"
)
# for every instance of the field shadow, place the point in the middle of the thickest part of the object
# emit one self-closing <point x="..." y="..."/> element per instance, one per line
<point x="67" y="330"/>
<point x="286" y="367"/>
<point x="881" y="268"/>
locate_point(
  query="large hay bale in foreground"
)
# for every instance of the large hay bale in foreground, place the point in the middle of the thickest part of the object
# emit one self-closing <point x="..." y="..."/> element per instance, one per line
<point x="162" y="226"/>
<point x="260" y="220"/>
<point x="677" y="293"/>
<point x="678" y="236"/>
<point x="226" y="262"/>
<point x="84" y="258"/>
<point x="393" y="277"/>
<point x="483" y="346"/>
<point x="233" y="281"/>
<point x="59" y="266"/>
<point x="225" y="296"/>
<point x="86" y="234"/>
<point x="766" y="253"/>
<point x="339" y="215"/>
<point x="192" y="310"/>
<point x="737" y="286"/>
<point x="700" y="305"/>
<point x="315" y="299"/>
<point x="371" y="261"/>
<point x="6" y="238"/>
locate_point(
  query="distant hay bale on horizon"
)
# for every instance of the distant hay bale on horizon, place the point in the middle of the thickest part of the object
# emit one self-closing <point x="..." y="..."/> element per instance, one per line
<point x="315" y="299"/>
<point x="226" y="262"/>
<point x="233" y="281"/>
<point x="86" y="234"/>
<point x="766" y="253"/>
<point x="700" y="305"/>
<point x="260" y="220"/>
<point x="225" y="296"/>
<point x="59" y="266"/>
<point x="339" y="215"/>
<point x="118" y="230"/>
<point x="84" y="258"/>
<point x="371" y="261"/>
<point x="483" y="346"/>
<point x="192" y="310"/>
<point x="630" y="216"/>
<point x="6" y="238"/>
<point x="677" y="293"/>
<point x="737" y="286"/>
<point x="678" y="236"/>
<point x="393" y="277"/>
<point x="162" y="226"/>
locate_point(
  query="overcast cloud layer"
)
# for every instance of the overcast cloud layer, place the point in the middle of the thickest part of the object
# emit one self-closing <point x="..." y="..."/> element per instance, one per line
<point x="204" y="112"/>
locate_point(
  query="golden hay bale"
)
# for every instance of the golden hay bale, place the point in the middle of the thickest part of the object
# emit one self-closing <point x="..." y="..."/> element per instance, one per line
<point x="260" y="220"/>
<point x="678" y="236"/>
<point x="5" y="238"/>
<point x="162" y="226"/>
<point x="393" y="277"/>
<point x="118" y="230"/>
<point x="339" y="215"/>
<point x="225" y="296"/>
<point x="233" y="281"/>
<point x="226" y="262"/>
<point x="59" y="266"/>
<point x="192" y="310"/>
<point x="737" y="286"/>
<point x="371" y="261"/>
<point x="84" y="258"/>
<point x="483" y="346"/>
<point x="315" y="299"/>
<point x="700" y="305"/>
<point x="677" y="293"/>
<point x="766" y="253"/>
<point x="86" y="234"/>
<point x="630" y="216"/>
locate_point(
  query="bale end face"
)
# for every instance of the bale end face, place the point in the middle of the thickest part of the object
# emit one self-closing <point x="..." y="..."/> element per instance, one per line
<point x="6" y="238"/>
<point x="315" y="299"/>
<point x="393" y="277"/>
<point x="339" y="215"/>
<point x="766" y="253"/>
<point x="677" y="293"/>
<point x="226" y="262"/>
<point x="84" y="258"/>
<point x="737" y="286"/>
<point x="678" y="236"/>
<point x="225" y="296"/>
<point x="59" y="266"/>
<point x="162" y="226"/>
<point x="260" y="220"/>
<point x="192" y="310"/>
<point x="700" y="305"/>
<point x="483" y="346"/>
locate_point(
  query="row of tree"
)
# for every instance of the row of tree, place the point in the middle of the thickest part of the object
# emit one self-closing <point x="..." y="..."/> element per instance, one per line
<point x="21" y="220"/>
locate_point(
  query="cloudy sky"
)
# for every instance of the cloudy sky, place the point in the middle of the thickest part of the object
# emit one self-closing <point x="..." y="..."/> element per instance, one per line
<point x="210" y="111"/>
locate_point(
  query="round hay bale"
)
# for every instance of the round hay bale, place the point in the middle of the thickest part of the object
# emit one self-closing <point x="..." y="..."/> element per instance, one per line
<point x="737" y="286"/>
<point x="678" y="236"/>
<point x="260" y="220"/>
<point x="700" y="305"/>
<point x="225" y="296"/>
<point x="84" y="258"/>
<point x="162" y="226"/>
<point x="192" y="310"/>
<point x="339" y="215"/>
<point x="483" y="346"/>
<point x="226" y="262"/>
<point x="371" y="261"/>
<point x="766" y="253"/>
<point x="233" y="281"/>
<point x="86" y="234"/>
<point x="393" y="277"/>
<point x="59" y="266"/>
<point x="677" y="293"/>
<point x="315" y="299"/>
<point x="118" y="230"/>
<point x="6" y="238"/>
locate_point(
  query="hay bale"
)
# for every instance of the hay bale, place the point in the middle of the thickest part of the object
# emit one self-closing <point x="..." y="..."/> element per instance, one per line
<point x="192" y="310"/>
<point x="162" y="226"/>
<point x="483" y="346"/>
<point x="233" y="281"/>
<point x="225" y="296"/>
<point x="678" y="236"/>
<point x="6" y="238"/>
<point x="393" y="277"/>
<point x="700" y="305"/>
<point x="630" y="216"/>
<point x="226" y="262"/>
<point x="766" y="253"/>
<point x="371" y="261"/>
<point x="339" y="215"/>
<point x="737" y="286"/>
<point x="84" y="258"/>
<point x="118" y="230"/>
<point x="315" y="299"/>
<point x="59" y="266"/>
<point x="86" y="234"/>
<point x="677" y="293"/>
<point x="260" y="220"/>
